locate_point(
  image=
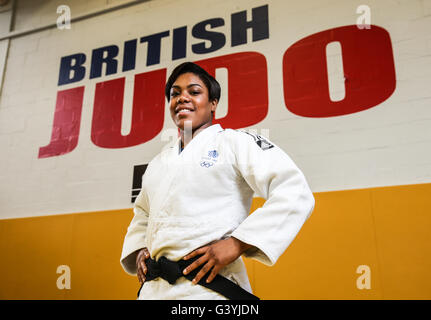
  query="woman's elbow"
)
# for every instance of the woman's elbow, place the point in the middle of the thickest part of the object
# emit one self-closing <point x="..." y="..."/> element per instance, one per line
<point x="311" y="202"/>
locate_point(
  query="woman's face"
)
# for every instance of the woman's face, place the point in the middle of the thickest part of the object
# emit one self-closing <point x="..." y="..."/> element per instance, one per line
<point x="190" y="102"/>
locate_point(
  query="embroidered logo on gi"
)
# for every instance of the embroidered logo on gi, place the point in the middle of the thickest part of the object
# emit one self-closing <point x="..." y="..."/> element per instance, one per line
<point x="261" y="141"/>
<point x="264" y="144"/>
<point x="213" y="154"/>
<point x="206" y="164"/>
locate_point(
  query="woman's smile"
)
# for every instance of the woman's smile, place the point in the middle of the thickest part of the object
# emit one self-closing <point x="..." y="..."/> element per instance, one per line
<point x="190" y="102"/>
<point x="183" y="110"/>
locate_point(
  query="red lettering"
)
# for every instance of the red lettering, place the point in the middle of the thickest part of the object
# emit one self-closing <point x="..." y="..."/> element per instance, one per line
<point x="369" y="73"/>
<point x="147" y="114"/>
<point x="67" y="120"/>
<point x="247" y="87"/>
<point x="368" y="65"/>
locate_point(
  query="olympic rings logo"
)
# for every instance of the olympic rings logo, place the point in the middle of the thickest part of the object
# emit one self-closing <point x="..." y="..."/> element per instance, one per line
<point x="206" y="164"/>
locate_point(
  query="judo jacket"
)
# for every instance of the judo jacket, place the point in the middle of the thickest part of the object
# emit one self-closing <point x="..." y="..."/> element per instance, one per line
<point x="203" y="194"/>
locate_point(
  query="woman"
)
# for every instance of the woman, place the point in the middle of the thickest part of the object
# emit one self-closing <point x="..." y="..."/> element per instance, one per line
<point x="196" y="197"/>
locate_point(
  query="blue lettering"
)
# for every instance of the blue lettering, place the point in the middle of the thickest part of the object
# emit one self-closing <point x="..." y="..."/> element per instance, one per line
<point x="129" y="61"/>
<point x="217" y="39"/>
<point x="258" y="24"/>
<point x="179" y="41"/>
<point x="97" y="60"/>
<point x="72" y="67"/>
<point x="154" y="45"/>
<point x="70" y="63"/>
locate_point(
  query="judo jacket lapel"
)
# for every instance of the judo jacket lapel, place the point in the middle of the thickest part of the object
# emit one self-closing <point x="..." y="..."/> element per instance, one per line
<point x="173" y="165"/>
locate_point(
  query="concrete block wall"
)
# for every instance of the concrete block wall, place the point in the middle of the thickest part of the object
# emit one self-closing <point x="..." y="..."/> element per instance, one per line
<point x="385" y="146"/>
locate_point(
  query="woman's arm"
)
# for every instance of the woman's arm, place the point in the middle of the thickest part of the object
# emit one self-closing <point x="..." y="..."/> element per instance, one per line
<point x="267" y="232"/>
<point x="135" y="239"/>
<point x="272" y="175"/>
<point x="215" y="256"/>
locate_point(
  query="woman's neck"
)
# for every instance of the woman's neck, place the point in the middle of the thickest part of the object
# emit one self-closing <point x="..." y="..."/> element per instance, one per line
<point x="188" y="133"/>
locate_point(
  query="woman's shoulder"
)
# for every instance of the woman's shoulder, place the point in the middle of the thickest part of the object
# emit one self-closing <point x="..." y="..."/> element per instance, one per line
<point x="234" y="134"/>
<point x="243" y="136"/>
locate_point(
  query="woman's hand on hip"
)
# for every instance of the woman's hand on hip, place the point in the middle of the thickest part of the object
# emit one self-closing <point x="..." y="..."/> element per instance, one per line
<point x="141" y="267"/>
<point x="214" y="257"/>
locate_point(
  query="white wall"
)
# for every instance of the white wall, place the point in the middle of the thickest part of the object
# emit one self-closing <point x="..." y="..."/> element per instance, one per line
<point x="31" y="14"/>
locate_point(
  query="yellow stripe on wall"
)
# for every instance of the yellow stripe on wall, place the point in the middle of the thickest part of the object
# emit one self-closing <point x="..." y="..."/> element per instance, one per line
<point x="384" y="229"/>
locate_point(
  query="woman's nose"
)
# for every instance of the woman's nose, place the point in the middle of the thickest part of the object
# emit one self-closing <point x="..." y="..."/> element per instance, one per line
<point x="183" y="98"/>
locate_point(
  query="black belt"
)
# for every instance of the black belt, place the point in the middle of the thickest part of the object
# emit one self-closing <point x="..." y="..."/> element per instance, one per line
<point x="172" y="270"/>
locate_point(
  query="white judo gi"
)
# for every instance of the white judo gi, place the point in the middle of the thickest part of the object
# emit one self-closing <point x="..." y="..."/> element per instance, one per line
<point x="204" y="193"/>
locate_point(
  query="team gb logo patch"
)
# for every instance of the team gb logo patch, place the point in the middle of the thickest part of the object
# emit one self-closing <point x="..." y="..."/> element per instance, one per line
<point x="210" y="159"/>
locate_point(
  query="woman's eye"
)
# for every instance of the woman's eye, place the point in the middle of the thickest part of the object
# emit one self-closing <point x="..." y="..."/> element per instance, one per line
<point x="174" y="94"/>
<point x="195" y="93"/>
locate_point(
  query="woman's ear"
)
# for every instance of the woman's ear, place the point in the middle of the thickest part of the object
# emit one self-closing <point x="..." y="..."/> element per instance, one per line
<point x="214" y="104"/>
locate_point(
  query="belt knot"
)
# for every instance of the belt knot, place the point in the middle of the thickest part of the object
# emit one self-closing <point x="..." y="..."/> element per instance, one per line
<point x="164" y="268"/>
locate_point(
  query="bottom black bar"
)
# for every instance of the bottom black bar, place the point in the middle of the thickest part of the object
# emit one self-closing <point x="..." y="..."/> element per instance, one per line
<point x="223" y="310"/>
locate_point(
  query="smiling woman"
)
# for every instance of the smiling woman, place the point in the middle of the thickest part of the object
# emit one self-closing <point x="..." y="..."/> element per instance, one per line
<point x="185" y="232"/>
<point x="193" y="96"/>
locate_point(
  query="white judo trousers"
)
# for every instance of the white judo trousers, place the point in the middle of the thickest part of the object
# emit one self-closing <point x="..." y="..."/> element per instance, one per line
<point x="204" y="193"/>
